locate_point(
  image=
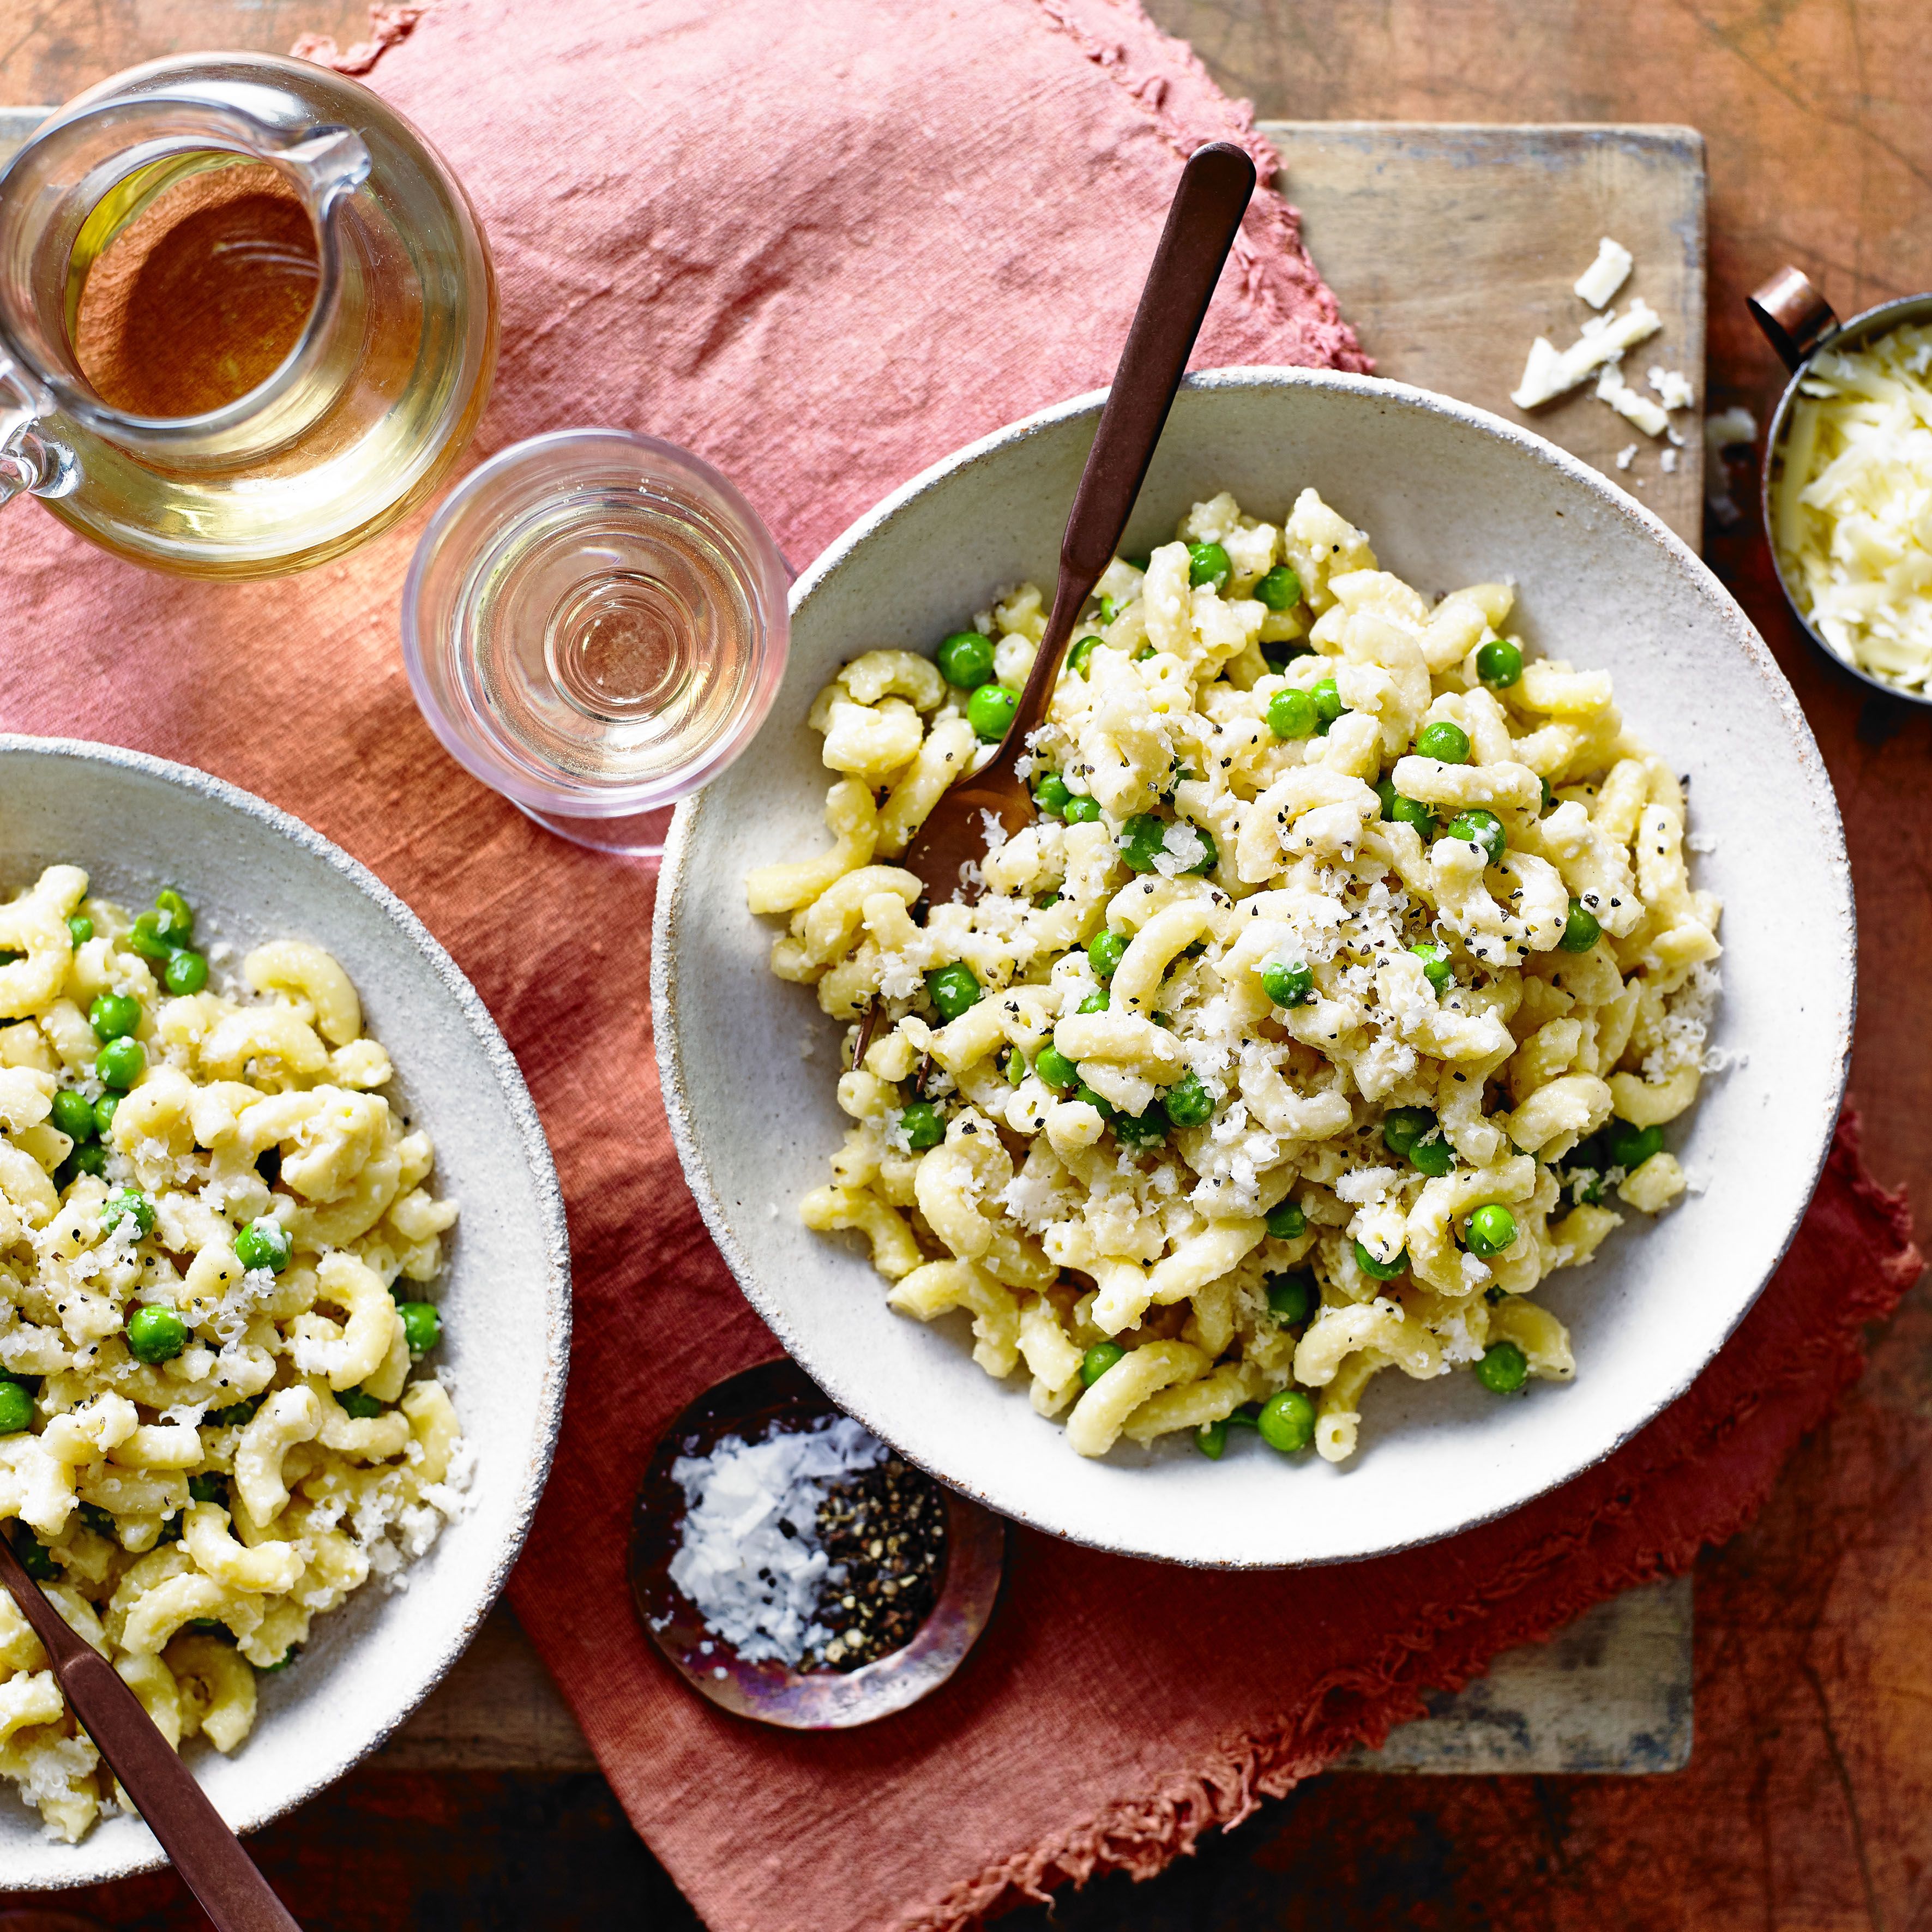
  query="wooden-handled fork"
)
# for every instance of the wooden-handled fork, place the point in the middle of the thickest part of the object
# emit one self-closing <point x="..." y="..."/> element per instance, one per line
<point x="1215" y="186"/>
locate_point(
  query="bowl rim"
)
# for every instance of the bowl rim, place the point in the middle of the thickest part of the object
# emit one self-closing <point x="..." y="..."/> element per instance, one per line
<point x="1818" y="794"/>
<point x="535" y="1147"/>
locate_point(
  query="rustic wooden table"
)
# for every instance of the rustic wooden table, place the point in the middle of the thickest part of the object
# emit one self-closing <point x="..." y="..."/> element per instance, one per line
<point x="1806" y="1802"/>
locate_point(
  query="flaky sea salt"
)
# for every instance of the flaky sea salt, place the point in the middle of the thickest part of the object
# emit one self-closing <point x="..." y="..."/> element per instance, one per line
<point x="749" y="1557"/>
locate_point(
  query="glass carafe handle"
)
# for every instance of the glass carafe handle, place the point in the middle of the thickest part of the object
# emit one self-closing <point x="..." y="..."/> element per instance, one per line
<point x="29" y="462"/>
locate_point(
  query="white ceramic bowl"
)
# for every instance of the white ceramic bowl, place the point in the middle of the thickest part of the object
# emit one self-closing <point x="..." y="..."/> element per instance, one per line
<point x="1450" y="496"/>
<point x="253" y="873"/>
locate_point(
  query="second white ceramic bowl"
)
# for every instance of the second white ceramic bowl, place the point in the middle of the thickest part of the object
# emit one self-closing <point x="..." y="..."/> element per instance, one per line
<point x="1450" y="496"/>
<point x="252" y="873"/>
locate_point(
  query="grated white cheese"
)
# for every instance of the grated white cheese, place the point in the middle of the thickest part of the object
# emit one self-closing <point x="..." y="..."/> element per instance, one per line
<point x="1626" y="455"/>
<point x="748" y="1555"/>
<point x="1630" y="404"/>
<point x="1670" y="462"/>
<point x="1551" y="372"/>
<point x="1673" y="386"/>
<point x="1852" y="509"/>
<point x="1599" y="282"/>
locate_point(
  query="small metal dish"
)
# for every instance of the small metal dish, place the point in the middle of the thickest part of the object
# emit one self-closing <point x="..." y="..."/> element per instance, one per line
<point x="746" y="1405"/>
<point x="1799" y="322"/>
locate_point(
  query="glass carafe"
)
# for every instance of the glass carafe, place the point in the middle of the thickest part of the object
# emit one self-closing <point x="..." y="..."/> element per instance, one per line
<point x="247" y="316"/>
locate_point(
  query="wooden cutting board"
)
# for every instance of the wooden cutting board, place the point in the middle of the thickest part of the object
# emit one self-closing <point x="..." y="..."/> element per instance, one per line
<point x="1449" y="248"/>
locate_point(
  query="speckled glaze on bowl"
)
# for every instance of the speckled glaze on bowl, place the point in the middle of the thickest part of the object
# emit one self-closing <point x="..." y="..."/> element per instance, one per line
<point x="1450" y="496"/>
<point x="253" y="873"/>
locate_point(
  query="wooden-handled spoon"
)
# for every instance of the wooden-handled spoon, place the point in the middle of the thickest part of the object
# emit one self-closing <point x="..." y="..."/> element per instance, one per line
<point x="195" y="1836"/>
<point x="1208" y="205"/>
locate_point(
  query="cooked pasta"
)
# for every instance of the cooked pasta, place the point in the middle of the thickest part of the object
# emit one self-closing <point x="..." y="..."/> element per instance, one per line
<point x="1344" y="984"/>
<point x="215" y="1236"/>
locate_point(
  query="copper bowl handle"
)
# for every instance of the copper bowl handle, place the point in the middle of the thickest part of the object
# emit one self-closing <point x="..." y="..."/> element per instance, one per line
<point x="1794" y="317"/>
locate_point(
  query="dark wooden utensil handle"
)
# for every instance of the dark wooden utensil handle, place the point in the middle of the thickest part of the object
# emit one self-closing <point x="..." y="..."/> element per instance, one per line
<point x="195" y="1836"/>
<point x="1215" y="188"/>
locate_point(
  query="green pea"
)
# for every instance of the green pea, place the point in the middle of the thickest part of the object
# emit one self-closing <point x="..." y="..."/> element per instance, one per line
<point x="1580" y="930"/>
<point x="1208" y="564"/>
<point x="121" y="1064"/>
<point x="990" y="711"/>
<point x="1630" y="1146"/>
<point x="1109" y="611"/>
<point x="17" y="1408"/>
<point x="1400" y="811"/>
<point x="1287" y="1222"/>
<point x="1084" y="648"/>
<point x="186" y="972"/>
<point x="113" y="1016"/>
<point x="1503" y="1368"/>
<point x="79" y="929"/>
<point x="264" y="1243"/>
<point x="1549" y="796"/>
<point x="155" y="1334"/>
<point x="1188" y="1102"/>
<point x="1083" y="810"/>
<point x="1211" y="1439"/>
<point x="1403" y="1126"/>
<point x="1287" y="1421"/>
<point x="1499" y="662"/>
<point x="1016" y="1066"/>
<point x="90" y="1158"/>
<point x="128" y="1205"/>
<point x="100" y="1521"/>
<point x="1434" y="1157"/>
<point x="924" y="1125"/>
<point x="1096" y="1002"/>
<point x="1436" y="967"/>
<point x="1105" y="951"/>
<point x="954" y="989"/>
<point x="1448" y="743"/>
<point x="358" y="1406"/>
<point x="422" y="1326"/>
<point x="1481" y="828"/>
<point x="236" y="1413"/>
<point x="1211" y="857"/>
<point x="965" y="659"/>
<point x="1380" y="1270"/>
<point x="1248" y="1416"/>
<point x="146" y="938"/>
<point x="1491" y="1231"/>
<point x="1139" y="563"/>
<point x="174" y="918"/>
<point x="1327" y="702"/>
<point x="1051" y="794"/>
<point x="1279" y="589"/>
<point x="1291" y="714"/>
<point x="209" y="1489"/>
<point x="1145" y="651"/>
<point x="1143" y="840"/>
<point x="210" y="1627"/>
<point x="1141" y="1130"/>
<point x="73" y="1115"/>
<point x="1098" y="1360"/>
<point x="36" y="1558"/>
<point x="1085" y="1094"/>
<point x="1046" y="899"/>
<point x="105" y="1109"/>
<point x="1288" y="986"/>
<point x="1291" y="1297"/>
<point x="282" y="1663"/>
<point x="1055" y="1068"/>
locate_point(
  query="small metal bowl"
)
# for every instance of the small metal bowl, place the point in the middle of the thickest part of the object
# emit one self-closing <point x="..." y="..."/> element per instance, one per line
<point x="1799" y="322"/>
<point x="745" y="1405"/>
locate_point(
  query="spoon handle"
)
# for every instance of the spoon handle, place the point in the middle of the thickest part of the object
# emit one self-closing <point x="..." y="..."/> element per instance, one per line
<point x="195" y="1836"/>
<point x="1201" y="224"/>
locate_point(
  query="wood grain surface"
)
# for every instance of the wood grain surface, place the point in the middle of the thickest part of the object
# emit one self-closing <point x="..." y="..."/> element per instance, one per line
<point x="1807" y="1806"/>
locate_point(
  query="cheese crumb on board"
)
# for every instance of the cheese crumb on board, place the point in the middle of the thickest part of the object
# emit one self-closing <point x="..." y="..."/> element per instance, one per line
<point x="1599" y="283"/>
<point x="1670" y="462"/>
<point x="1550" y="372"/>
<point x="1626" y="455"/>
<point x="1629" y="403"/>
<point x="1673" y="386"/>
<point x="1852" y="507"/>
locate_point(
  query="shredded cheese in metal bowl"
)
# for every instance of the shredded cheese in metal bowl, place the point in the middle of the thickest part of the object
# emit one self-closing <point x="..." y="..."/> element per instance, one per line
<point x="1852" y="509"/>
